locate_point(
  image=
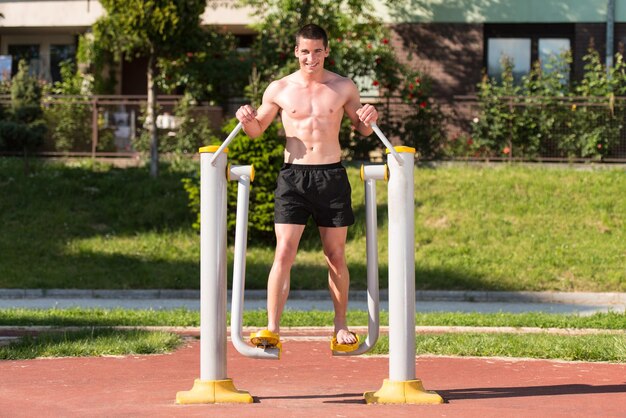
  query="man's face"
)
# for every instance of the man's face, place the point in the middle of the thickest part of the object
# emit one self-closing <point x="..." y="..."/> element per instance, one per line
<point x="311" y="55"/>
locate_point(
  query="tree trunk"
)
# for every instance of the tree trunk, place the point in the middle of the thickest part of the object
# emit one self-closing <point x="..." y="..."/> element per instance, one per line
<point x="152" y="106"/>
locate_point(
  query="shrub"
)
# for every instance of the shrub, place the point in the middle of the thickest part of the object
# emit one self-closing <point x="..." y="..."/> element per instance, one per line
<point x="265" y="153"/>
<point x="70" y="120"/>
<point x="24" y="128"/>
<point x="546" y="116"/>
<point x="422" y="125"/>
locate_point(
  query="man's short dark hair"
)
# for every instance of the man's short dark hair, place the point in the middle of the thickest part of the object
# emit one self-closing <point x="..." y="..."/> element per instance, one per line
<point x="312" y="31"/>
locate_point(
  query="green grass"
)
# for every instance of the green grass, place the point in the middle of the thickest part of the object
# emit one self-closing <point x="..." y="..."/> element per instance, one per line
<point x="506" y="227"/>
<point x="107" y="341"/>
<point x="184" y="317"/>
<point x="611" y="348"/>
<point x="91" y="342"/>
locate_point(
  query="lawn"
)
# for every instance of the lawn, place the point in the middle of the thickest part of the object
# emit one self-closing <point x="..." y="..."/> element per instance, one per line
<point x="502" y="227"/>
<point x="98" y="335"/>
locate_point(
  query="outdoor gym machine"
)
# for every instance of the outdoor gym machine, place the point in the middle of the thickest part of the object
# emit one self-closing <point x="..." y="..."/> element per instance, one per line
<point x="214" y="386"/>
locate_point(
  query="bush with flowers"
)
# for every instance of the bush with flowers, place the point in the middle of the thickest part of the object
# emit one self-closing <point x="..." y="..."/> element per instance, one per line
<point x="548" y="116"/>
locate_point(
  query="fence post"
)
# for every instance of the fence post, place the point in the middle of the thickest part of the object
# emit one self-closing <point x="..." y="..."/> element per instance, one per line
<point x="94" y="126"/>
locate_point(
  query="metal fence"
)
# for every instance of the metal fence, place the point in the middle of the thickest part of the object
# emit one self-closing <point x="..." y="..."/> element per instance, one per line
<point x="575" y="129"/>
<point x="107" y="125"/>
<point x="538" y="129"/>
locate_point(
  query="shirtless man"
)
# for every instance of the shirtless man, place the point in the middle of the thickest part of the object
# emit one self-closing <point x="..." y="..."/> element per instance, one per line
<point x="312" y="102"/>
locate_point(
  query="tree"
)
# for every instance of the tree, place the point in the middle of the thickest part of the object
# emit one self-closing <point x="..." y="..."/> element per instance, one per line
<point x="216" y="72"/>
<point x="155" y="29"/>
<point x="23" y="128"/>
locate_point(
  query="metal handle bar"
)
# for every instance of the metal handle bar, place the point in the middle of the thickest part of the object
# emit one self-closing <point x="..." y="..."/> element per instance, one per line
<point x="385" y="141"/>
<point x="227" y="141"/>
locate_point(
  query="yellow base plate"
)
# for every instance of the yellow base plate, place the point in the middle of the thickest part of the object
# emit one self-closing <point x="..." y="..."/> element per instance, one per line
<point x="404" y="392"/>
<point x="213" y="391"/>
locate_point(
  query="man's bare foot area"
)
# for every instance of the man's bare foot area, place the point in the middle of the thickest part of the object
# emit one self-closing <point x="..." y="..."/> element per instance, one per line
<point x="344" y="336"/>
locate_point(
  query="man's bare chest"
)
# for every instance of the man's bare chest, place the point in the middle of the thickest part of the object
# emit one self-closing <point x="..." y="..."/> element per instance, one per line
<point x="319" y="102"/>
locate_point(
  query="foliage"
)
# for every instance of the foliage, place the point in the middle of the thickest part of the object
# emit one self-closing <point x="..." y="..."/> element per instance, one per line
<point x="70" y="120"/>
<point x="493" y="130"/>
<point x="598" y="126"/>
<point x="141" y="28"/>
<point x="360" y="49"/>
<point x="421" y="125"/>
<point x="547" y="115"/>
<point x="265" y="153"/>
<point x="94" y="63"/>
<point x="214" y="72"/>
<point x="24" y="128"/>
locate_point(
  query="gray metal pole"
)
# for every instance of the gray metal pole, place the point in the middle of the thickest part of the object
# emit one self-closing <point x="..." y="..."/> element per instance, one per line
<point x="213" y="386"/>
<point x="212" y="268"/>
<point x="369" y="174"/>
<point x="243" y="175"/>
<point x="401" y="269"/>
<point x="402" y="387"/>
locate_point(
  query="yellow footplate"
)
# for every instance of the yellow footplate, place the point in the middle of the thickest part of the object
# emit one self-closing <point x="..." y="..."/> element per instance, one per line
<point x="345" y="348"/>
<point x="265" y="339"/>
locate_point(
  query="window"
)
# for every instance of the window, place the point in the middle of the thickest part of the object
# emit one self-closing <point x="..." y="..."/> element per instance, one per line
<point x="244" y="42"/>
<point x="551" y="48"/>
<point x="517" y="50"/>
<point x="29" y="53"/>
<point x="524" y="44"/>
<point x="58" y="54"/>
<point x="5" y="67"/>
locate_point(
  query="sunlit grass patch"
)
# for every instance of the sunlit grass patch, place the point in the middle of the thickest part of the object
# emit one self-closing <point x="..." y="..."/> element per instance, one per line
<point x="90" y="342"/>
<point x="610" y="348"/>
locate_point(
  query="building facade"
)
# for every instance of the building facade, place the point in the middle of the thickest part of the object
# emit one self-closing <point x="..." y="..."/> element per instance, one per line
<point x="456" y="41"/>
<point x="453" y="41"/>
<point x="45" y="33"/>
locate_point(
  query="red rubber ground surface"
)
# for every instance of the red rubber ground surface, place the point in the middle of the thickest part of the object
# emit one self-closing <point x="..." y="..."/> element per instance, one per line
<point x="309" y="382"/>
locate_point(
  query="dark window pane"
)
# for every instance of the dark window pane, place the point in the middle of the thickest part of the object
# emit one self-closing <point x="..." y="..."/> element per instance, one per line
<point x="29" y="53"/>
<point x="58" y="54"/>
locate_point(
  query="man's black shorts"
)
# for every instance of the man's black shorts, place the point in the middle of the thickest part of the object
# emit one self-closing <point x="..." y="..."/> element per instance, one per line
<point x="321" y="191"/>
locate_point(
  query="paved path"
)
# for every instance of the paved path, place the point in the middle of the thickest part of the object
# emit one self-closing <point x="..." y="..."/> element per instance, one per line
<point x="427" y="301"/>
<point x="309" y="382"/>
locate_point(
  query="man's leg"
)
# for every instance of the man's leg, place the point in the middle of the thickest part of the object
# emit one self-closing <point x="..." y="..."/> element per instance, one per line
<point x="334" y="244"/>
<point x="287" y="240"/>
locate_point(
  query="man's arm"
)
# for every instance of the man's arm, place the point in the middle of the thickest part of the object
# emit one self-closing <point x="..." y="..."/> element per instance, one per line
<point x="360" y="116"/>
<point x="255" y="122"/>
